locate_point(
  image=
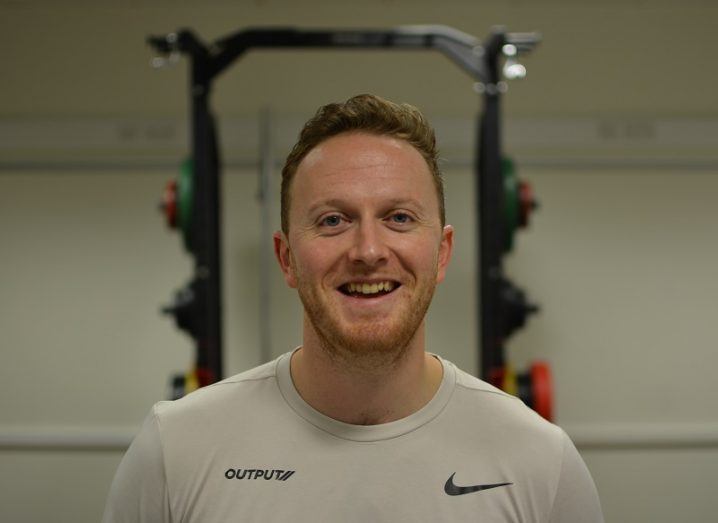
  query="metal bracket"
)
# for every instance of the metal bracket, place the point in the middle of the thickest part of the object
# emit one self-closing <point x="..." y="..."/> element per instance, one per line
<point x="169" y="47"/>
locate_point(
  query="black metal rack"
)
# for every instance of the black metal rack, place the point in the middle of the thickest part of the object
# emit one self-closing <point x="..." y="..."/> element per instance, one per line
<point x="197" y="308"/>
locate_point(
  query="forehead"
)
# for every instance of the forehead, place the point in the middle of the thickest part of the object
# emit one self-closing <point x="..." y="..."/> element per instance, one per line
<point x="362" y="165"/>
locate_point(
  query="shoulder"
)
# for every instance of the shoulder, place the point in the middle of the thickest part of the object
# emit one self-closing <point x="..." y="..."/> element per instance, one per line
<point x="492" y="410"/>
<point x="469" y="382"/>
<point x="244" y="391"/>
<point x="537" y="455"/>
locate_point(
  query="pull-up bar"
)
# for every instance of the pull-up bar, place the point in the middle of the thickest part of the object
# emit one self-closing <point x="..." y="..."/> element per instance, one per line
<point x="463" y="49"/>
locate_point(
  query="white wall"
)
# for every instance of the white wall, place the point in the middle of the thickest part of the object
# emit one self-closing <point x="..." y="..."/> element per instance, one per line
<point x="622" y="259"/>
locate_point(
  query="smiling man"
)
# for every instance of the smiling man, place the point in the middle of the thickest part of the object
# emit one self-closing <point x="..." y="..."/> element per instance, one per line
<point x="365" y="244"/>
<point x="360" y="423"/>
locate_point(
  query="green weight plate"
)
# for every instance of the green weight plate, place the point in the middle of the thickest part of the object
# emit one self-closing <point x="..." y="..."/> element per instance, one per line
<point x="185" y="192"/>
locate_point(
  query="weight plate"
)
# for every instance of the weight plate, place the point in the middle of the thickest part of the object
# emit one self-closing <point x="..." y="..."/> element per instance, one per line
<point x="191" y="383"/>
<point x="527" y="203"/>
<point x="542" y="389"/>
<point x="169" y="204"/>
<point x="524" y="385"/>
<point x="511" y="385"/>
<point x="496" y="377"/>
<point x="177" y="387"/>
<point x="205" y="376"/>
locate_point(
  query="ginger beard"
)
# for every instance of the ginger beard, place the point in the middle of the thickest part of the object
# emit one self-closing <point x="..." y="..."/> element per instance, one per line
<point x="369" y="343"/>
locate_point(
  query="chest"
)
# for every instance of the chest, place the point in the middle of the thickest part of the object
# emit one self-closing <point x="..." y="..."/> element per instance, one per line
<point x="344" y="481"/>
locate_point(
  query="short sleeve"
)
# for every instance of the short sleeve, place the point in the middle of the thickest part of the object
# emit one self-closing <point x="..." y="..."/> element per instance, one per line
<point x="139" y="490"/>
<point x="576" y="499"/>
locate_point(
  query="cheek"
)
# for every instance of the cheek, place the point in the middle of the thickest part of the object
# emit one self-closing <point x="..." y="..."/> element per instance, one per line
<point x="311" y="262"/>
<point x="423" y="251"/>
<point x="421" y="259"/>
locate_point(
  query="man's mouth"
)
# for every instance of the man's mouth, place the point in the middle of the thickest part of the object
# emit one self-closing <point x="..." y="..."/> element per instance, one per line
<point x="368" y="289"/>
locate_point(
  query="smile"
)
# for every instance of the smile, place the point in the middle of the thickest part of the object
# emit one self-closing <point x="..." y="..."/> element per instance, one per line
<point x="368" y="289"/>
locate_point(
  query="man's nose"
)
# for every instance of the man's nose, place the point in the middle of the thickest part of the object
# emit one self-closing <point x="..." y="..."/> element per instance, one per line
<point x="369" y="247"/>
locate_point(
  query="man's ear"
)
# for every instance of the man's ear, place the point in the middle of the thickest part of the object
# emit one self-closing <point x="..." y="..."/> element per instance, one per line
<point x="446" y="247"/>
<point x="284" y="257"/>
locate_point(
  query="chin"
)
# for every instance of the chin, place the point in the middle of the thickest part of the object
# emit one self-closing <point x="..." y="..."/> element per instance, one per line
<point x="378" y="344"/>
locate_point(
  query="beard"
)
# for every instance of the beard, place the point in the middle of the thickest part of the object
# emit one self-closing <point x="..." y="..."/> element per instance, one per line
<point x="371" y="343"/>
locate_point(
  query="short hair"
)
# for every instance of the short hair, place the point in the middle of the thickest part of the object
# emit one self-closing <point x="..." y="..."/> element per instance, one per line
<point x="369" y="114"/>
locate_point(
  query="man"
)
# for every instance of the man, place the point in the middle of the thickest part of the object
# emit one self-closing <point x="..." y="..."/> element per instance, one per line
<point x="360" y="423"/>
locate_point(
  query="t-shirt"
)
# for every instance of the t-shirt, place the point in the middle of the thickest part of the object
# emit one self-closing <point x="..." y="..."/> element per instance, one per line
<point x="249" y="448"/>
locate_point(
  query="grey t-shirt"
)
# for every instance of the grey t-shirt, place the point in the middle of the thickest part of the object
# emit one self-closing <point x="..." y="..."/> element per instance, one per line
<point x="250" y="449"/>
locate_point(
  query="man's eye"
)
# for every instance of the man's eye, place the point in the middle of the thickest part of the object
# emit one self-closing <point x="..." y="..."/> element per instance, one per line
<point x="331" y="221"/>
<point x="401" y="217"/>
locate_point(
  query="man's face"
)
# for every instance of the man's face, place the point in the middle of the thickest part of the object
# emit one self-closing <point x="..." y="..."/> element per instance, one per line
<point x="365" y="247"/>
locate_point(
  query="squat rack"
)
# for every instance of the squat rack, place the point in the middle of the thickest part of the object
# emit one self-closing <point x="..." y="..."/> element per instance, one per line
<point x="197" y="308"/>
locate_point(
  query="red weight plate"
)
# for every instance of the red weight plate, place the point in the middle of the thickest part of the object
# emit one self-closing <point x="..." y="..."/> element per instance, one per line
<point x="204" y="376"/>
<point x="496" y="377"/>
<point x="526" y="203"/>
<point x="169" y="203"/>
<point x="542" y="389"/>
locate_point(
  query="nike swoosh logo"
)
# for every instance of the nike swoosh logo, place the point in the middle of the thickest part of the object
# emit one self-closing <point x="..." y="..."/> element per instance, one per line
<point x="453" y="490"/>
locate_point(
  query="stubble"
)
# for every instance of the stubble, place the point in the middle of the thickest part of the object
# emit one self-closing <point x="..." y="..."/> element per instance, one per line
<point x="366" y="345"/>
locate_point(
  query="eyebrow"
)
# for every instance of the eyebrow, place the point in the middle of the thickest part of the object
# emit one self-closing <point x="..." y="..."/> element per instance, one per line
<point x="339" y="202"/>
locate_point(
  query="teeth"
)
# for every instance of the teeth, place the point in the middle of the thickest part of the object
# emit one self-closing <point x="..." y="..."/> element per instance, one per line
<point x="370" y="288"/>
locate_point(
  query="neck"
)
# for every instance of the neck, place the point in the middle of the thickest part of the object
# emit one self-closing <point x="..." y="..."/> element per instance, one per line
<point x="366" y="391"/>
